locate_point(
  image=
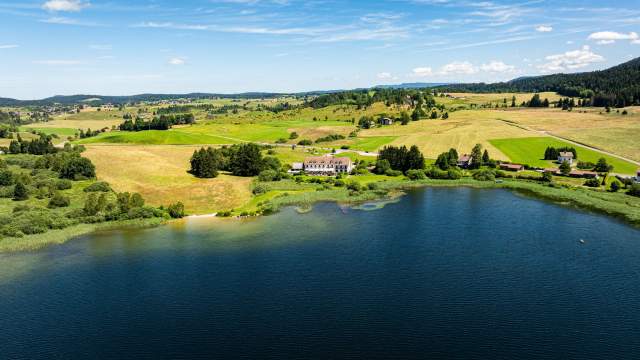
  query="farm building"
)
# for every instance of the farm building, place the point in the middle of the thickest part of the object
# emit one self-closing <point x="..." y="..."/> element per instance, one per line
<point x="464" y="161"/>
<point x="327" y="165"/>
<point x="386" y="121"/>
<point x="565" y="156"/>
<point x="583" y="174"/>
<point x="637" y="178"/>
<point x="511" y="167"/>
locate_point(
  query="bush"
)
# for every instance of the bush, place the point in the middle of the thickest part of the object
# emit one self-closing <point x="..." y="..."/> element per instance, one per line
<point x="634" y="190"/>
<point x="393" y="172"/>
<point x="305" y="142"/>
<point x="58" y="201"/>
<point x="484" y="175"/>
<point x="20" y="192"/>
<point x="63" y="184"/>
<point x="260" y="189"/>
<point x="339" y="183"/>
<point x="6" y="178"/>
<point x="268" y="175"/>
<point x="176" y="210"/>
<point x="416" y="175"/>
<point x="77" y="168"/>
<point x="345" y="147"/>
<point x="372" y="186"/>
<point x="592" y="183"/>
<point x="354" y="186"/>
<point x="615" y="186"/>
<point x="99" y="186"/>
<point x="454" y="174"/>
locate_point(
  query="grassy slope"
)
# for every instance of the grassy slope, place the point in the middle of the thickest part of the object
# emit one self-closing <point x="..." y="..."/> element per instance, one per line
<point x="531" y="151"/>
<point x="156" y="137"/>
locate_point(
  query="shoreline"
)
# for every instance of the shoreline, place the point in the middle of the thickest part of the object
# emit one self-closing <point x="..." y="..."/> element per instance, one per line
<point x="598" y="202"/>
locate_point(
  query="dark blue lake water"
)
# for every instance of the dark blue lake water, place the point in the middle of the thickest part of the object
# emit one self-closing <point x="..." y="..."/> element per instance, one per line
<point x="443" y="273"/>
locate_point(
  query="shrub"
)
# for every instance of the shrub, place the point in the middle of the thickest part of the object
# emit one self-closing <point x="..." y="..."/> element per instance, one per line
<point x="305" y="142"/>
<point x="416" y="175"/>
<point x="454" y="174"/>
<point x="176" y="210"/>
<point x="372" y="186"/>
<point x="260" y="189"/>
<point x="394" y="173"/>
<point x="58" y="201"/>
<point x="6" y="178"/>
<point x="98" y="186"/>
<point x="268" y="175"/>
<point x="615" y="186"/>
<point x="354" y="186"/>
<point x="634" y="190"/>
<point x="63" y="184"/>
<point x="20" y="192"/>
<point x="339" y="183"/>
<point x="344" y="147"/>
<point x="592" y="183"/>
<point x="484" y="175"/>
<point x="77" y="168"/>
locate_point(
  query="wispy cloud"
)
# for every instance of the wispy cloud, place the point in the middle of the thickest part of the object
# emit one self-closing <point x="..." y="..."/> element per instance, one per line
<point x="544" y="28"/>
<point x="9" y="46"/>
<point x="177" y="61"/>
<point x="65" y="5"/>
<point x="59" y="20"/>
<point x="58" y="62"/>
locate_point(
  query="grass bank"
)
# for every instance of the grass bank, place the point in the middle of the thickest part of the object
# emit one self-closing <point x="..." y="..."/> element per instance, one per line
<point x="60" y="236"/>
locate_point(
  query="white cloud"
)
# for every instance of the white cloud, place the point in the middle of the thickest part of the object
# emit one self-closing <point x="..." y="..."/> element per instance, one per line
<point x="570" y="60"/>
<point x="10" y="46"/>
<point x="497" y="67"/>
<point x="177" y="61"/>
<point x="422" y="71"/>
<point x="58" y="62"/>
<point x="610" y="37"/>
<point x="60" y="20"/>
<point x="101" y="47"/>
<point x="544" y="28"/>
<point x="636" y="42"/>
<point x="65" y="5"/>
<point x="457" y="67"/>
<point x="384" y="76"/>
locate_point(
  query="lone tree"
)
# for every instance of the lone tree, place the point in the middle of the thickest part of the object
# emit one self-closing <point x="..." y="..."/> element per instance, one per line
<point x="602" y="166"/>
<point x="476" y="157"/>
<point x="20" y="192"/>
<point x="565" y="168"/>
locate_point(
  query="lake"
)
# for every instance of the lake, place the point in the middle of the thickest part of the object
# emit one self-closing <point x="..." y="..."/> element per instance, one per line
<point x="443" y="273"/>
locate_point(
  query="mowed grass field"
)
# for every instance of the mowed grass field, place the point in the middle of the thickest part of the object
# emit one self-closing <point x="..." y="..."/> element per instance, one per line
<point x="159" y="173"/>
<point x="613" y="132"/>
<point x="458" y="99"/>
<point x="531" y="151"/>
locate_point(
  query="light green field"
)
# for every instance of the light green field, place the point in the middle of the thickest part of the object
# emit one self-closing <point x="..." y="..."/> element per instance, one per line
<point x="51" y="130"/>
<point x="156" y="137"/>
<point x="531" y="151"/>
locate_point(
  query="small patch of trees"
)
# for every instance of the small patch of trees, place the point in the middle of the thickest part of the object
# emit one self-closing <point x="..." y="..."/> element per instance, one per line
<point x="447" y="160"/>
<point x="401" y="158"/>
<point x="162" y="122"/>
<point x="40" y="146"/>
<point x="552" y="153"/>
<point x="330" y="138"/>
<point x="240" y="160"/>
<point x="602" y="166"/>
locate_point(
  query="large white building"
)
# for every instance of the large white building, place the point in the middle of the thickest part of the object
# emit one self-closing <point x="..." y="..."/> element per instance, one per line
<point x="327" y="165"/>
<point x="565" y="156"/>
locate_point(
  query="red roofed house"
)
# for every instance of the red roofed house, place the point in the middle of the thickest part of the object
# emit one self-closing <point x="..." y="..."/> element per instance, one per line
<point x="464" y="161"/>
<point x="511" y="167"/>
<point x="327" y="165"/>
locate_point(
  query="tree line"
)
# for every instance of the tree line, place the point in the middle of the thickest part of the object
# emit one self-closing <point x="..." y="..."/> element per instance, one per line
<point x="239" y="160"/>
<point x="162" y="122"/>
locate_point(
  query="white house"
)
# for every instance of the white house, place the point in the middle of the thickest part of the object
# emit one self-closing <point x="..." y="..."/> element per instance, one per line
<point x="327" y="165"/>
<point x="565" y="156"/>
<point x="296" y="168"/>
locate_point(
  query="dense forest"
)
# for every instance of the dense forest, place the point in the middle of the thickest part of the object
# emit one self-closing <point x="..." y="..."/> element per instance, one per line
<point x="366" y="98"/>
<point x="618" y="86"/>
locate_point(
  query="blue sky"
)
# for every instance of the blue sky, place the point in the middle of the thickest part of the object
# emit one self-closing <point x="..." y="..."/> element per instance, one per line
<point x="136" y="46"/>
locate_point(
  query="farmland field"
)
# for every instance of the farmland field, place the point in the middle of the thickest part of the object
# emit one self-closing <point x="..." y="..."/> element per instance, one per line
<point x="531" y="151"/>
<point x="159" y="173"/>
<point x="157" y="137"/>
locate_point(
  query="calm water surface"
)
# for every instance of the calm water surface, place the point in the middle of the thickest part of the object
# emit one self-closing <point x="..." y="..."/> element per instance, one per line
<point x="444" y="273"/>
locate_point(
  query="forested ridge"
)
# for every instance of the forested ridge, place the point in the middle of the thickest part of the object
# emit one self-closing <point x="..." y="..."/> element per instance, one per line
<point x="617" y="86"/>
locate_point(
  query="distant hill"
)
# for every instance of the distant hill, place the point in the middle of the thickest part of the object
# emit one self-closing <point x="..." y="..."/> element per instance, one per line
<point x="616" y="86"/>
<point x="418" y="85"/>
<point x="101" y="99"/>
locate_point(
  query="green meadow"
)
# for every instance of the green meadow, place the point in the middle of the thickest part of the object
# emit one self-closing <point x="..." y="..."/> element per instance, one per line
<point x="531" y="151"/>
<point x="157" y="137"/>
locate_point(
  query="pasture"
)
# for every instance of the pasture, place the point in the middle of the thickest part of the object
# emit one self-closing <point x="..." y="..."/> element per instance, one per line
<point x="531" y="151"/>
<point x="159" y="173"/>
